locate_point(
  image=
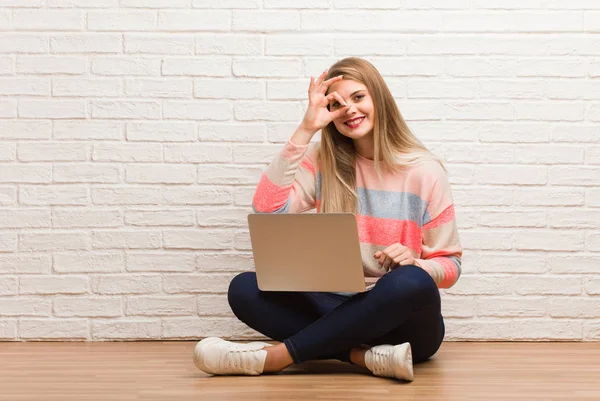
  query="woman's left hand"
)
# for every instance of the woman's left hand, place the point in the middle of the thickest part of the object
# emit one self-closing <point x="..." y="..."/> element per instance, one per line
<point x="394" y="255"/>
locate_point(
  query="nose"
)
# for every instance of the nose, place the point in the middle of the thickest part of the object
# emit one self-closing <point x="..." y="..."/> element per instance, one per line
<point x="351" y="109"/>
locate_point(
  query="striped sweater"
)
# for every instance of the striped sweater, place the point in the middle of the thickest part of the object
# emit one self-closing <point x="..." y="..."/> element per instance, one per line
<point x="413" y="207"/>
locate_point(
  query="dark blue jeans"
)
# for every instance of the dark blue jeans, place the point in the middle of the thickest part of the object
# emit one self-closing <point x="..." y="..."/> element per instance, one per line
<point x="404" y="306"/>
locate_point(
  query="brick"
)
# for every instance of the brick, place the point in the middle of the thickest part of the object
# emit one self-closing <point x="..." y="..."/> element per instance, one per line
<point x="513" y="21"/>
<point x="89" y="262"/>
<point x="255" y="153"/>
<point x="372" y="21"/>
<point x="208" y="239"/>
<point x="21" y="3"/>
<point x="540" y="329"/>
<point x="23" y="43"/>
<point x="8" y="286"/>
<point x="121" y="20"/>
<point x="512" y="307"/>
<point x="574" y="175"/>
<point x="479" y="111"/>
<point x="549" y="240"/>
<point x="592" y="155"/>
<point x="127" y="152"/>
<point x="482" y="285"/>
<point x="219" y="262"/>
<point x="287" y="90"/>
<point x="458" y="307"/>
<point x="86" y="43"/>
<point x="513" y="133"/>
<point x="265" y="21"/>
<point x="198" y="110"/>
<point x="82" y="3"/>
<point x="160" y="174"/>
<point x="509" y="263"/>
<point x="8" y="153"/>
<point x="160" y="262"/>
<point x="54" y="241"/>
<point x="425" y="45"/>
<point x="293" y="4"/>
<point x="226" y="3"/>
<point x="123" y="285"/>
<point x="86" y="87"/>
<point x="126" y="195"/>
<point x="158" y="218"/>
<point x="8" y="196"/>
<point x="126" y="329"/>
<point x="237" y="89"/>
<point x="214" y="20"/>
<point x="222" y="217"/>
<point x="481" y="67"/>
<point x="489" y="239"/>
<point x="511" y="175"/>
<point x="197" y="283"/>
<point x="160" y="306"/>
<point x="54" y="109"/>
<point x="270" y="111"/>
<point x="228" y="175"/>
<point x="87" y="307"/>
<point x="24" y="86"/>
<point x="159" y="44"/>
<point x="230" y="44"/>
<point x="554" y="67"/>
<point x="402" y="67"/>
<point x="159" y="88"/>
<point x="47" y="20"/>
<point x="81" y="218"/>
<point x="593" y="197"/>
<point x="232" y="132"/>
<point x="593" y="242"/>
<point x="121" y="109"/>
<point x="550" y="111"/>
<point x="8" y="108"/>
<point x="18" y="307"/>
<point x="198" y="195"/>
<point x="126" y="239"/>
<point x="193" y="328"/>
<point x="213" y="305"/>
<point x="163" y="131"/>
<point x="531" y="154"/>
<point x="214" y="67"/>
<point x="487" y="154"/>
<point x="513" y="218"/>
<point x="7" y="66"/>
<point x="474" y="196"/>
<point x="25" y="264"/>
<point x="53" y="195"/>
<point x="156" y="3"/>
<point x="50" y="65"/>
<point x="574" y="307"/>
<point x="55" y="329"/>
<point x="45" y="152"/>
<point x="24" y="218"/>
<point x="88" y="130"/>
<point x="548" y="197"/>
<point x="198" y="153"/>
<point x="299" y="45"/>
<point x="26" y="173"/>
<point x="272" y="67"/>
<point x="572" y="264"/>
<point x="49" y="285"/>
<point x="132" y="65"/>
<point x="574" y="218"/>
<point x="86" y="173"/>
<point x="281" y="132"/>
<point x="441" y="89"/>
<point x="506" y="89"/>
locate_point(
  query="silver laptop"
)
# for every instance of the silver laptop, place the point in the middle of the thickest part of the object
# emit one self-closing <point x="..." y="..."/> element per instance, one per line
<point x="306" y="252"/>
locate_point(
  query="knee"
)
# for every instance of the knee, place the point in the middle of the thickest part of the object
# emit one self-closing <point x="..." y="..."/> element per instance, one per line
<point x="241" y="288"/>
<point x="410" y="282"/>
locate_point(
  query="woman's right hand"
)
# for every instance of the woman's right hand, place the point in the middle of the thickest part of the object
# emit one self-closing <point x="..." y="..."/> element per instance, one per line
<point x="317" y="114"/>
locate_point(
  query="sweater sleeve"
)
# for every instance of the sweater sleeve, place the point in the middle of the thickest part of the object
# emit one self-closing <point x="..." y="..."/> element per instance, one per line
<point x="288" y="184"/>
<point x="441" y="251"/>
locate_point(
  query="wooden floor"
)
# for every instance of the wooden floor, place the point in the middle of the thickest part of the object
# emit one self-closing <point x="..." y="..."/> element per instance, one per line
<point x="165" y="371"/>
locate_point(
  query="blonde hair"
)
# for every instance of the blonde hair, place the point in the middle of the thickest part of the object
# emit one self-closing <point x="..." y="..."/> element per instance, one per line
<point x="395" y="146"/>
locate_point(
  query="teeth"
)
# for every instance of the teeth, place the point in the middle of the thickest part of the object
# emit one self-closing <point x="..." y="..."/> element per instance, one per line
<point x="355" y="122"/>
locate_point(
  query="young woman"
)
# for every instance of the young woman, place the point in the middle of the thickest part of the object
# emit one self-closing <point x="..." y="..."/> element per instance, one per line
<point x="368" y="162"/>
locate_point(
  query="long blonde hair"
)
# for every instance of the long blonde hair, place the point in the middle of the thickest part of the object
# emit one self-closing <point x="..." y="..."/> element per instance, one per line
<point x="395" y="145"/>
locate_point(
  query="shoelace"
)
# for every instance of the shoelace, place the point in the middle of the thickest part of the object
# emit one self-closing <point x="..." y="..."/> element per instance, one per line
<point x="239" y="358"/>
<point x="381" y="362"/>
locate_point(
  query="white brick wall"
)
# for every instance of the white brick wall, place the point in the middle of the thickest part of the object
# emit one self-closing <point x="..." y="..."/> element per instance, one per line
<point x="132" y="134"/>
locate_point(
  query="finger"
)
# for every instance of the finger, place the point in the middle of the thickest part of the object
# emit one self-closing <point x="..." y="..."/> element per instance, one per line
<point x="329" y="82"/>
<point x="319" y="80"/>
<point x="336" y="96"/>
<point x="407" y="261"/>
<point x="387" y="263"/>
<point x="391" y="248"/>
<point x="312" y="83"/>
<point x="377" y="254"/>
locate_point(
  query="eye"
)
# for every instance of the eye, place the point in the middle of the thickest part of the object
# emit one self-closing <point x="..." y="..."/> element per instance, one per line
<point x="358" y="97"/>
<point x="335" y="104"/>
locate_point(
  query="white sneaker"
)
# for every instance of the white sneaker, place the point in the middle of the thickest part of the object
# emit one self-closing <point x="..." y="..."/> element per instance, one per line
<point x="217" y="356"/>
<point x="391" y="361"/>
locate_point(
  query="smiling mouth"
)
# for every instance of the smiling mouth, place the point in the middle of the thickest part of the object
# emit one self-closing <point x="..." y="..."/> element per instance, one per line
<point x="355" y="123"/>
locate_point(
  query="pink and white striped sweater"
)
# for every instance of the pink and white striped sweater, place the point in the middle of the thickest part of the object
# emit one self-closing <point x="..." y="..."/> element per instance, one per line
<point x="413" y="207"/>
